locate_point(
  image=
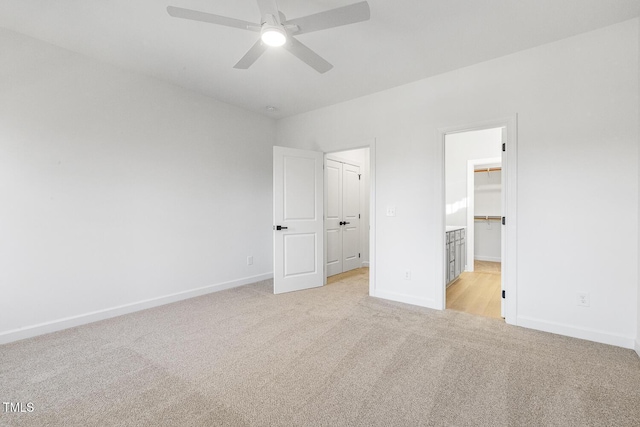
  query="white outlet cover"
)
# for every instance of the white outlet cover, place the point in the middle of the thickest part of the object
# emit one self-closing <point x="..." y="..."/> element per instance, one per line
<point x="582" y="299"/>
<point x="391" y="211"/>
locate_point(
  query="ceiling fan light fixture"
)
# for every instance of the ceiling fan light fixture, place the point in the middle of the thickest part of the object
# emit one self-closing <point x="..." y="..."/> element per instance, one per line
<point x="273" y="36"/>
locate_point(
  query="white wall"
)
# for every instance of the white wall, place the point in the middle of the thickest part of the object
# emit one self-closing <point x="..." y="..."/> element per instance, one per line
<point x="117" y="188"/>
<point x="361" y="157"/>
<point x="577" y="106"/>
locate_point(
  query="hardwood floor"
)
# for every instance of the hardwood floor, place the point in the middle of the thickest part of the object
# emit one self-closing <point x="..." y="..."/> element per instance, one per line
<point x="477" y="292"/>
<point x="357" y="274"/>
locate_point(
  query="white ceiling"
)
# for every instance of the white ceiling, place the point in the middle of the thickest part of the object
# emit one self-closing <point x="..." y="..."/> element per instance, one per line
<point x="404" y="41"/>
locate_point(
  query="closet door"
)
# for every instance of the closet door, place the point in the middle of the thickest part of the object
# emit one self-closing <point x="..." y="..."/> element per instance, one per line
<point x="333" y="216"/>
<point x="350" y="217"/>
<point x="342" y="217"/>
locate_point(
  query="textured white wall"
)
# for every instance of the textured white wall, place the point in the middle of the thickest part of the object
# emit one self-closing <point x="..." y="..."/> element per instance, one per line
<point x="577" y="106"/>
<point x="117" y="188"/>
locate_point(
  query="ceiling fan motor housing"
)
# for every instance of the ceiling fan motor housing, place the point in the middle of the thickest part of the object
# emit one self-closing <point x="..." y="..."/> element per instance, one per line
<point x="272" y="32"/>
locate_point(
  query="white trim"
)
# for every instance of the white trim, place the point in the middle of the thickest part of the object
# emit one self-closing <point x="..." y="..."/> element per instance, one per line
<point x="487" y="258"/>
<point x="509" y="170"/>
<point x="365" y="263"/>
<point x="638" y="347"/>
<point x="581" y="333"/>
<point x="472" y="165"/>
<point x="407" y="299"/>
<point x="94" y="316"/>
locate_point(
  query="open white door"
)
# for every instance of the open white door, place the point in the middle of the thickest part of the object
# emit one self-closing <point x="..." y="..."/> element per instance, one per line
<point x="298" y="246"/>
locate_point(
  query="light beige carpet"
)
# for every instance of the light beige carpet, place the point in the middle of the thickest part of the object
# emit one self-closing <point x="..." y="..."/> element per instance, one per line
<point x="331" y="356"/>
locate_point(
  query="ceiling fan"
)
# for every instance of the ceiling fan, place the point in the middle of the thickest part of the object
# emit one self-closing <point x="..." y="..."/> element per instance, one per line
<point x="276" y="30"/>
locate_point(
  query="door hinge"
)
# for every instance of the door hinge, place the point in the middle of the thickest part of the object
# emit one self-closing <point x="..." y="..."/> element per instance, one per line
<point x="504" y="146"/>
<point x="358" y="254"/>
<point x="358" y="216"/>
<point x="504" y="221"/>
<point x="504" y="293"/>
<point x="359" y="177"/>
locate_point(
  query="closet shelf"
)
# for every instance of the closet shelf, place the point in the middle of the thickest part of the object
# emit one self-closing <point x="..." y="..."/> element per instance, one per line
<point x="487" y="218"/>
<point x="488" y="170"/>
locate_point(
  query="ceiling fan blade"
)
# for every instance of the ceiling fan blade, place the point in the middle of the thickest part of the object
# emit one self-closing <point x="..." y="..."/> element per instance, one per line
<point x="351" y="14"/>
<point x="251" y="56"/>
<point x="307" y="56"/>
<point x="194" y="15"/>
<point x="269" y="7"/>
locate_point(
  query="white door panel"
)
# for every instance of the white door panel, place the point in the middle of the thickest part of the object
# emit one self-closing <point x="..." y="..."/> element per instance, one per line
<point x="334" y="182"/>
<point x="351" y="215"/>
<point x="299" y="254"/>
<point x="334" y="252"/>
<point x="299" y="188"/>
<point x="297" y="209"/>
<point x="350" y="248"/>
<point x="351" y="192"/>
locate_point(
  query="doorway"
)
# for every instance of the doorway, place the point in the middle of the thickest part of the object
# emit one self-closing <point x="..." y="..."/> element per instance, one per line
<point x="299" y="234"/>
<point x="474" y="207"/>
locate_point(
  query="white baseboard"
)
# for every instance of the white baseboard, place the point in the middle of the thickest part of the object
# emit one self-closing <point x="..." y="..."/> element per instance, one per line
<point x="365" y="263"/>
<point x="572" y="331"/>
<point x="487" y="258"/>
<point x="83" y="319"/>
<point x="638" y="347"/>
<point x="407" y="299"/>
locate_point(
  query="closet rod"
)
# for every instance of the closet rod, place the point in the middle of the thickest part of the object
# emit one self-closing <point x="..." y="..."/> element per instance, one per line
<point x="488" y="170"/>
<point x="488" y="218"/>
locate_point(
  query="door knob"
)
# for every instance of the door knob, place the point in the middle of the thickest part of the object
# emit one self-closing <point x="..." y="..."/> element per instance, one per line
<point x="279" y="227"/>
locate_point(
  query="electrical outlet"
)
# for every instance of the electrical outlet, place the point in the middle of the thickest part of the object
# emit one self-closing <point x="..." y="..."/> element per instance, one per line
<point x="250" y="260"/>
<point x="391" y="211"/>
<point x="407" y="275"/>
<point x="583" y="299"/>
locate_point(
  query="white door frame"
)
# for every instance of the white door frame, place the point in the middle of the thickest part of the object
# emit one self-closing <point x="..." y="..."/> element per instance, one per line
<point x="509" y="170"/>
<point x="371" y="145"/>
